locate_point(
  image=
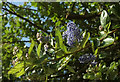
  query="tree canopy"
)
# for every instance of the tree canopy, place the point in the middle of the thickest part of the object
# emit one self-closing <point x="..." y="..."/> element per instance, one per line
<point x="49" y="56"/>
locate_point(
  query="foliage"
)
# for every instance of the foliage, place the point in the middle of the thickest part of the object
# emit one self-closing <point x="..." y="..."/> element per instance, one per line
<point x="50" y="56"/>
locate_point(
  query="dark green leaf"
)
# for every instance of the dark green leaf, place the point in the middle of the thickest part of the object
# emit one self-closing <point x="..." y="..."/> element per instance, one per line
<point x="70" y="69"/>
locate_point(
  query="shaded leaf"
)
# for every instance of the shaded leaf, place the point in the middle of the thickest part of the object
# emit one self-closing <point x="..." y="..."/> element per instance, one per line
<point x="70" y="69"/>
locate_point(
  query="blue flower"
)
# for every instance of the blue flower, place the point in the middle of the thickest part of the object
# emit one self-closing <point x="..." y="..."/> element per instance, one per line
<point x="72" y="34"/>
<point x="86" y="58"/>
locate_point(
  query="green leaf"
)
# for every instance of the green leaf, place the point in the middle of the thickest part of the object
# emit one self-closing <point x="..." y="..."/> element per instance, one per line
<point x="93" y="49"/>
<point x="104" y="19"/>
<point x="63" y="62"/>
<point x="70" y="69"/>
<point x="59" y="53"/>
<point x="34" y="4"/>
<point x="103" y="34"/>
<point x="62" y="46"/>
<point x="96" y="51"/>
<point x="96" y="42"/>
<point x="49" y="70"/>
<point x="31" y="47"/>
<point x="41" y="60"/>
<point x="85" y="39"/>
<point x="39" y="49"/>
<point x="107" y="42"/>
<point x="115" y="9"/>
<point x="16" y="68"/>
<point x="20" y="73"/>
<point x="108" y="26"/>
<point x="19" y="54"/>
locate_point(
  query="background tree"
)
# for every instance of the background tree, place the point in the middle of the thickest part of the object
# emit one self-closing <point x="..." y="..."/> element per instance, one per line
<point x="49" y="57"/>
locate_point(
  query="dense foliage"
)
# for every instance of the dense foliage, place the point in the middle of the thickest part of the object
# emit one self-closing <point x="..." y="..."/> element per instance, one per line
<point x="69" y="41"/>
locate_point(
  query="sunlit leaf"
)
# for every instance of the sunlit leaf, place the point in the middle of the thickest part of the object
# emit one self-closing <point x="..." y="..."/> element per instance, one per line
<point x="103" y="34"/>
<point x="104" y="19"/>
<point x="16" y="68"/>
<point x="107" y="42"/>
<point x="39" y="49"/>
<point x="31" y="47"/>
<point x="63" y="62"/>
<point x="19" y="54"/>
<point x="85" y="39"/>
<point x="62" y="46"/>
<point x="22" y="71"/>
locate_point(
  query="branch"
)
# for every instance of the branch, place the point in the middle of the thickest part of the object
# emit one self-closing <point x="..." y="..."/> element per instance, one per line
<point x="78" y="17"/>
<point x="15" y="41"/>
<point x="26" y="20"/>
<point x="109" y="33"/>
<point x="21" y="7"/>
<point x="78" y="49"/>
<point x="70" y="53"/>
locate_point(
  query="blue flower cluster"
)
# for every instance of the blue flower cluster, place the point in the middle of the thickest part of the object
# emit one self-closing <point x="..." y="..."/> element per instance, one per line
<point x="72" y="34"/>
<point x="86" y="58"/>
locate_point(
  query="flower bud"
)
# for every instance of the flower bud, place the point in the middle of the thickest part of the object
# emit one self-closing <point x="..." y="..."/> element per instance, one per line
<point x="100" y="28"/>
<point x="45" y="47"/>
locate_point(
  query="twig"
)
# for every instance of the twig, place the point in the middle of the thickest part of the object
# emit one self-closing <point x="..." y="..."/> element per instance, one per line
<point x="108" y="34"/>
<point x="21" y="7"/>
<point x="15" y="41"/>
<point x="78" y="17"/>
<point x="26" y="20"/>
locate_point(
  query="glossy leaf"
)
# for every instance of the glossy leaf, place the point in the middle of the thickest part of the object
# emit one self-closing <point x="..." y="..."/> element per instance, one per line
<point x="103" y="34"/>
<point x="106" y="42"/>
<point x="104" y="19"/>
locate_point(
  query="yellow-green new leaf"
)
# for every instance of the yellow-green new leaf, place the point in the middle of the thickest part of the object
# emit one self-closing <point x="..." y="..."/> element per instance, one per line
<point x="62" y="46"/>
<point x="39" y="49"/>
<point x="31" y="47"/>
<point x="20" y="73"/>
<point x="16" y="68"/>
<point x="19" y="54"/>
<point x="85" y="39"/>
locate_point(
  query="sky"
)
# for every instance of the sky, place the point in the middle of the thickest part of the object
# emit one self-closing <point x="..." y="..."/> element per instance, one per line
<point x="17" y="0"/>
<point x="24" y="38"/>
